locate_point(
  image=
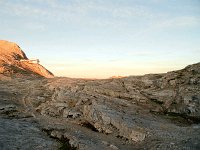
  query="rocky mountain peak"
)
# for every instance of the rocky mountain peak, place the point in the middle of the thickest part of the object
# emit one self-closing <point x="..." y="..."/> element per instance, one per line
<point x="14" y="62"/>
<point x="12" y="50"/>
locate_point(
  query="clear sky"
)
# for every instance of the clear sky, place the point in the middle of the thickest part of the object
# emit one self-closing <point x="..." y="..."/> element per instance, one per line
<point x="103" y="38"/>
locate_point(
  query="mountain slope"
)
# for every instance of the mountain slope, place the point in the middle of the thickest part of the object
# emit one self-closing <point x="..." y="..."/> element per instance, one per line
<point x="154" y="111"/>
<point x="14" y="62"/>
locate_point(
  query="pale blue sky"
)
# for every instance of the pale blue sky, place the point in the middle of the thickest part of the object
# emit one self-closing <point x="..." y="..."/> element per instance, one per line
<point x="102" y="38"/>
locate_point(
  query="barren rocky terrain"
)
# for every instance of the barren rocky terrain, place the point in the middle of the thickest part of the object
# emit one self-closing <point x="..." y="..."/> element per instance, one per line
<point x="39" y="111"/>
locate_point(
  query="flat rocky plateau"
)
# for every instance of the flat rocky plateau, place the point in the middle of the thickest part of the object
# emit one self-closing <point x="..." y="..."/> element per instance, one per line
<point x="154" y="111"/>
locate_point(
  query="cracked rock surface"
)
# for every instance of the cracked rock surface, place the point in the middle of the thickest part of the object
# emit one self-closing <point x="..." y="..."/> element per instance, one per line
<point x="154" y="111"/>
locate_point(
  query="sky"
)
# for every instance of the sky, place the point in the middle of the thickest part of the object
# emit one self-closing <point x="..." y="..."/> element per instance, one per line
<point x="104" y="38"/>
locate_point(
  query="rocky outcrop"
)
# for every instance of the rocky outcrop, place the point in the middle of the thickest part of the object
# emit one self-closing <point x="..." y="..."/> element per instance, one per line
<point x="154" y="111"/>
<point x="137" y="109"/>
<point x="11" y="64"/>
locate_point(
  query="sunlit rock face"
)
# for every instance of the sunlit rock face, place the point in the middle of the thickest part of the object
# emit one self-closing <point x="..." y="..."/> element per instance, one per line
<point x="13" y="61"/>
<point x="154" y="111"/>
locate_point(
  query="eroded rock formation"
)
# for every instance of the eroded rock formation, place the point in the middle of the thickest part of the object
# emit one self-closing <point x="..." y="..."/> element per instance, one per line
<point x="11" y="63"/>
<point x="154" y="111"/>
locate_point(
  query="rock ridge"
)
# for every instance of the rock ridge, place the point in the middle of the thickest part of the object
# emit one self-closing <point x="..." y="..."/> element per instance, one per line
<point x="11" y="64"/>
